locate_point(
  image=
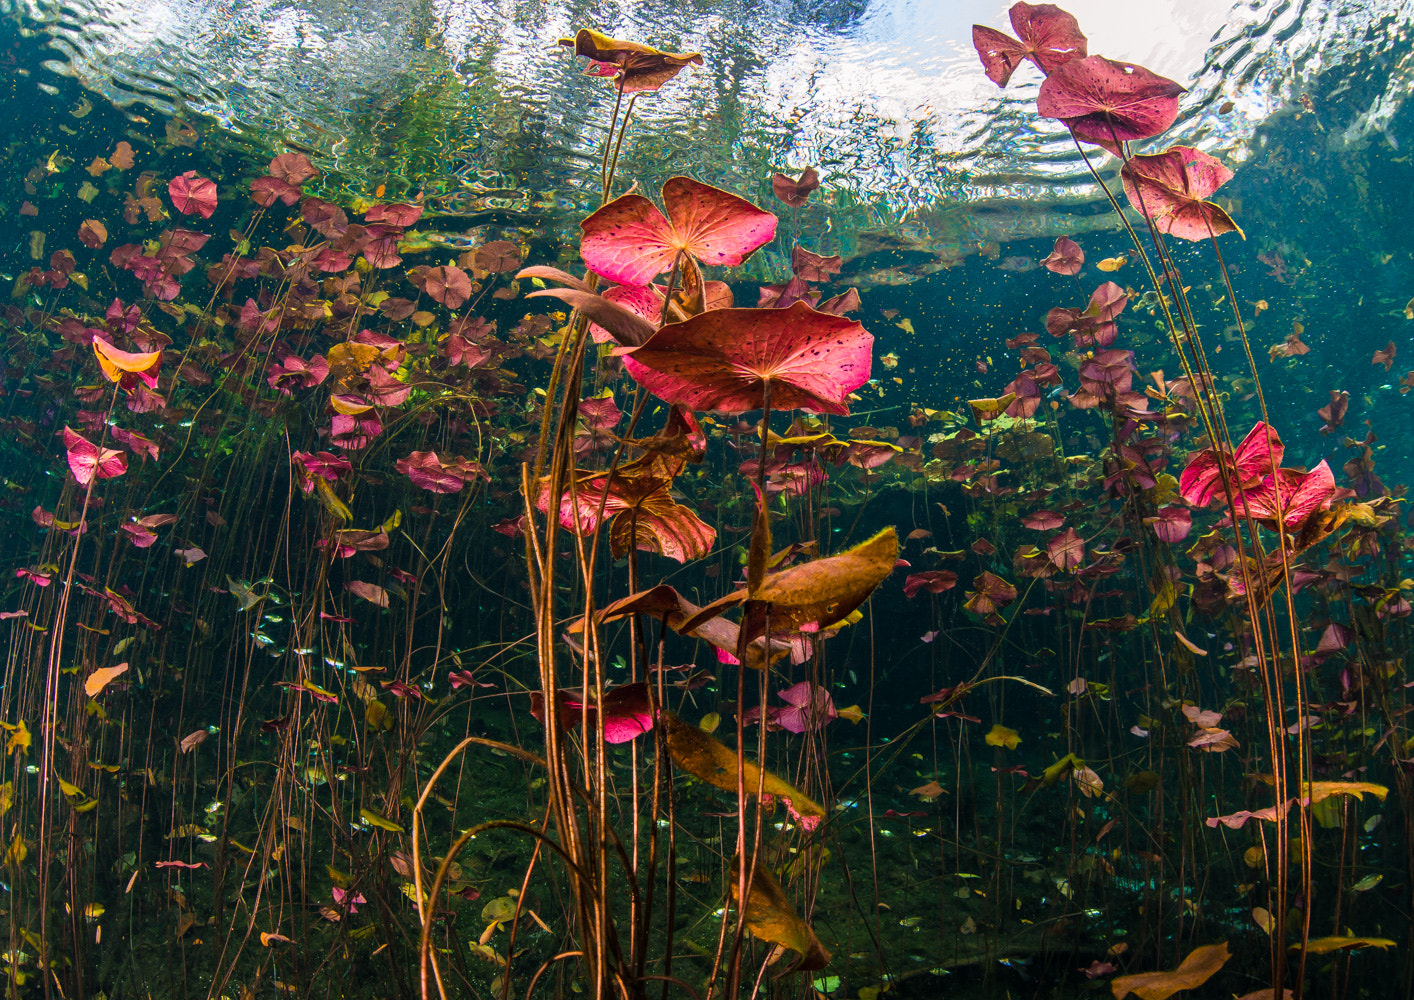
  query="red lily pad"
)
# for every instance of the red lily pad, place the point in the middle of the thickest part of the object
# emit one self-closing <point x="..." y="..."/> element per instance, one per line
<point x="724" y="359"/>
<point x="1171" y="523"/>
<point x="1049" y="37"/>
<point x="812" y="266"/>
<point x="92" y="233"/>
<point x="1291" y="496"/>
<point x="991" y="595"/>
<point x="811" y="708"/>
<point x="497" y="257"/>
<point x="795" y="191"/>
<point x="629" y="241"/>
<point x="934" y="581"/>
<point x="1170" y="187"/>
<point x="192" y="194"/>
<point x="1333" y="413"/>
<point x="643" y="515"/>
<point x="1043" y="520"/>
<point x="370" y="592"/>
<point x="1065" y="258"/>
<point x="449" y="285"/>
<point x="1106" y="102"/>
<point x="265" y="191"/>
<point x="395" y="214"/>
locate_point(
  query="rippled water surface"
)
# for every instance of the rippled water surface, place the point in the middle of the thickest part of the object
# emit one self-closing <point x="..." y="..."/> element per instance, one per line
<point x="476" y="105"/>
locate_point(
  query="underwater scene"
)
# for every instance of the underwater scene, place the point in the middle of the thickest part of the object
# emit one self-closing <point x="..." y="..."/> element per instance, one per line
<point x="814" y="498"/>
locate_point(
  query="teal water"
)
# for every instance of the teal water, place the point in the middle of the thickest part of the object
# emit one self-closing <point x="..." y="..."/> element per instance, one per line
<point x="232" y="814"/>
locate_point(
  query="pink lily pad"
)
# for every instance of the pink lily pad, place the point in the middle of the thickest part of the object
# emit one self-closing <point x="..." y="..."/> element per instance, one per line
<point x="448" y="285"/>
<point x="725" y="358"/>
<point x="811" y="708"/>
<point x="1065" y="258"/>
<point x="265" y="191"/>
<point x="629" y="241"/>
<point x="637" y="500"/>
<point x="1107" y="102"/>
<point x="1067" y="550"/>
<point x="192" y="194"/>
<point x="292" y="168"/>
<point x="1170" y="188"/>
<point x="439" y="475"/>
<point x="1291" y="496"/>
<point x="1049" y="37"/>
<point x="1043" y="520"/>
<point x="628" y="710"/>
<point x="368" y="591"/>
<point x="398" y="215"/>
<point x="1259" y="453"/>
<point x="1171" y="523"/>
<point x="88" y="462"/>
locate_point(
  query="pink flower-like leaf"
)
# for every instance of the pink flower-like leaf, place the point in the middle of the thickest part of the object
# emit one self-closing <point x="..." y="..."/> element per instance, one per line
<point x="1171" y="187"/>
<point x="1107" y="102"/>
<point x="370" y="592"/>
<point x="1171" y="523"/>
<point x="811" y="708"/>
<point x="88" y="462"/>
<point x="628" y="710"/>
<point x="192" y="194"/>
<point x="629" y="241"/>
<point x="1049" y="37"/>
<point x="1067" y="550"/>
<point x="723" y="359"/>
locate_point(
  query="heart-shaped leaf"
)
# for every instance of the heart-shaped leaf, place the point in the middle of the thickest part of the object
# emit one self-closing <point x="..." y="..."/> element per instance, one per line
<point x="644" y="514"/>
